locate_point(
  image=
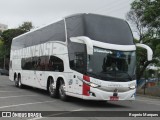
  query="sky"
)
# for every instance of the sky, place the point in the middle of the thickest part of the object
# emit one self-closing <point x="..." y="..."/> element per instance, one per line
<point x="42" y="12"/>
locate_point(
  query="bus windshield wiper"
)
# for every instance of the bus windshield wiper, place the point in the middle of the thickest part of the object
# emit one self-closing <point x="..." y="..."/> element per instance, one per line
<point x="127" y="75"/>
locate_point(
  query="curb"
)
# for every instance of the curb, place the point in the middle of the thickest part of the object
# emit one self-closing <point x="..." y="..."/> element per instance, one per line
<point x="148" y="96"/>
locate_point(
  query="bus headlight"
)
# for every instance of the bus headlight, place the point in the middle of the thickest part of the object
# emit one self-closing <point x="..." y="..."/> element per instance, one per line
<point x="94" y="85"/>
<point x="86" y="80"/>
<point x="132" y="85"/>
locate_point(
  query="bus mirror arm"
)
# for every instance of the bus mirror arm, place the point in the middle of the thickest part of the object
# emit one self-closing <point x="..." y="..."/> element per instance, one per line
<point x="84" y="40"/>
<point x="149" y="50"/>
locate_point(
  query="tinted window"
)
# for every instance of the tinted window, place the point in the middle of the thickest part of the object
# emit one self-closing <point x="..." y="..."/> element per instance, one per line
<point x="108" y="29"/>
<point x="56" y="64"/>
<point x="55" y="31"/>
<point x="77" y="57"/>
<point x="43" y="63"/>
<point x="27" y="63"/>
<point x="100" y="28"/>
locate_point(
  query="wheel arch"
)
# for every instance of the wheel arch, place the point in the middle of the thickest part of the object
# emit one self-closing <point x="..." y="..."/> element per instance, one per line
<point x="59" y="78"/>
<point x="19" y="75"/>
<point x="15" y="75"/>
<point x="56" y="81"/>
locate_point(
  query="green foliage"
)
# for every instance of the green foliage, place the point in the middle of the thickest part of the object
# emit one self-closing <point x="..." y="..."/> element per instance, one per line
<point x="1" y="52"/>
<point x="26" y="26"/>
<point x="148" y="13"/>
<point x="7" y="36"/>
<point x="0" y="33"/>
<point x="1" y="48"/>
<point x="145" y="16"/>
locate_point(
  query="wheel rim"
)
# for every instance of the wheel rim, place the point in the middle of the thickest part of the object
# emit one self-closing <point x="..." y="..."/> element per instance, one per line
<point x="19" y="82"/>
<point x="61" y="90"/>
<point x="51" y="89"/>
<point x="16" y="81"/>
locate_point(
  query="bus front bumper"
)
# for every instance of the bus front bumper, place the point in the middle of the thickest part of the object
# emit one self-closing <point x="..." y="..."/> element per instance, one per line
<point x="97" y="94"/>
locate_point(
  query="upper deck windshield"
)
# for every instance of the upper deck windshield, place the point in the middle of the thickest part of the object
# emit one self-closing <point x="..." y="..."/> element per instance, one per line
<point x="111" y="65"/>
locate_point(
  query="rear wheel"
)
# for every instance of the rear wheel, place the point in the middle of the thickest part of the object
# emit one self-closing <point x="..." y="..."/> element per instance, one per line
<point x="19" y="82"/>
<point x="53" y="92"/>
<point x="16" y="81"/>
<point x="62" y="93"/>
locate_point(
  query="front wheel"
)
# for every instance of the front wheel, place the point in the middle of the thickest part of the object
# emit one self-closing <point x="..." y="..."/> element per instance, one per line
<point x="62" y="93"/>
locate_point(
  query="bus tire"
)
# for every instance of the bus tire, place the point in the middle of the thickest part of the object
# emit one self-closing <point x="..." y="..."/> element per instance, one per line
<point x="53" y="92"/>
<point x="19" y="82"/>
<point x="62" y="93"/>
<point x="16" y="80"/>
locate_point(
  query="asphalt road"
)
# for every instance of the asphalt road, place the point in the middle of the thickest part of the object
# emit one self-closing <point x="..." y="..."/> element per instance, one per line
<point x="31" y="99"/>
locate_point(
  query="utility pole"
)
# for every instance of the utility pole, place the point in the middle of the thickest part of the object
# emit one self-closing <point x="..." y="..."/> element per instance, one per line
<point x="145" y="82"/>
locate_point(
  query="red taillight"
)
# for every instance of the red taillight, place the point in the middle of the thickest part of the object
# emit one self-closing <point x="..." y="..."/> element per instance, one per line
<point x="86" y="78"/>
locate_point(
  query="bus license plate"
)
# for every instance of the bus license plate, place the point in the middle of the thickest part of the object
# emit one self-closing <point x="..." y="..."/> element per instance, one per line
<point x="114" y="98"/>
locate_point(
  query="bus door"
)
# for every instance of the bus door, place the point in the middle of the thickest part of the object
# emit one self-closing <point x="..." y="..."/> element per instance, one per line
<point x="77" y="83"/>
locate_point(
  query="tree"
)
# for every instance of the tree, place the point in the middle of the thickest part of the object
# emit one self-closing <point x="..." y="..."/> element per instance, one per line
<point x="144" y="16"/>
<point x="137" y="24"/>
<point x="1" y="53"/>
<point x="7" y="37"/>
<point x="0" y="33"/>
<point x="26" y="26"/>
<point x="1" y="48"/>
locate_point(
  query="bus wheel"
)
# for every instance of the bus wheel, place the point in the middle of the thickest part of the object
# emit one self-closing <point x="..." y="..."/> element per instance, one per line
<point x="16" y="81"/>
<point x="62" y="93"/>
<point x="53" y="92"/>
<point x="19" y="82"/>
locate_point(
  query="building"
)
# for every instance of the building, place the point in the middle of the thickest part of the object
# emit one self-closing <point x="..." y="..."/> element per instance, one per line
<point x="3" y="27"/>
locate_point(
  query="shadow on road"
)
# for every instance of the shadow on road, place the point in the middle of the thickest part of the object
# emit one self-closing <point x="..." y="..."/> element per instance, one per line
<point x="77" y="101"/>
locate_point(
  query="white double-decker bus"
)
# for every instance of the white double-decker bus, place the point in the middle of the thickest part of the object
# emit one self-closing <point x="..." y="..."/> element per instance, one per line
<point x="87" y="56"/>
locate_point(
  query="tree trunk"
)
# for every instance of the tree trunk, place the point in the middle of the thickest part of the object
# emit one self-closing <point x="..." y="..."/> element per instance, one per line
<point x="140" y="74"/>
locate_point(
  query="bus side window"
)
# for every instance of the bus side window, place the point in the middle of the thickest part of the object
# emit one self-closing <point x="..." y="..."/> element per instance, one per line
<point x="42" y="63"/>
<point x="46" y="63"/>
<point x="23" y="63"/>
<point x="28" y="63"/>
<point x="50" y="65"/>
<point x="79" y="61"/>
<point x="38" y="65"/>
<point x="56" y="64"/>
<point x="34" y="63"/>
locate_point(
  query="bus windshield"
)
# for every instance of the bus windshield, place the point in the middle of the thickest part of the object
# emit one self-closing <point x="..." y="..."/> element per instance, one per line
<point x="111" y="65"/>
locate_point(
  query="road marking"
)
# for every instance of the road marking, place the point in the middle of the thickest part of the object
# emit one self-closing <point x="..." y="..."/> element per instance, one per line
<point x="12" y="91"/>
<point x="149" y="102"/>
<point x="61" y="113"/>
<point x="16" y="96"/>
<point x="1" y="107"/>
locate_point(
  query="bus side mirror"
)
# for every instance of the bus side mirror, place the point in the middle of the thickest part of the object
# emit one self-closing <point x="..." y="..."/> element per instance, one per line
<point x="84" y="40"/>
<point x="149" y="50"/>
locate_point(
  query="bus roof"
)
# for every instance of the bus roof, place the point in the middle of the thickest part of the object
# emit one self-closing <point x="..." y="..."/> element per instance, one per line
<point x="97" y="27"/>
